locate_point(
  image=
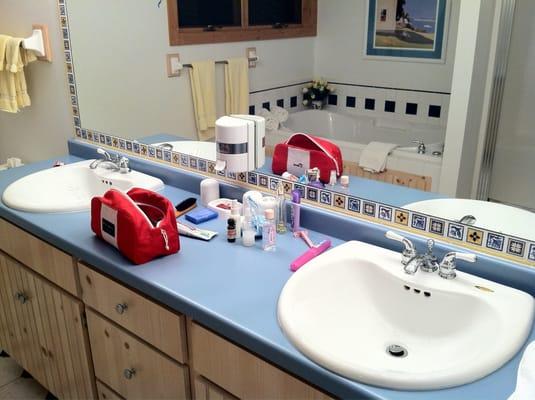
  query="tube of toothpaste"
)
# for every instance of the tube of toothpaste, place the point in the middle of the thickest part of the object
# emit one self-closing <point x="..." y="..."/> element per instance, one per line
<point x="194" y="232"/>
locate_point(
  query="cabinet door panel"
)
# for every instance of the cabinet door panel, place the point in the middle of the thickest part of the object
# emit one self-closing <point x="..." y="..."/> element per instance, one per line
<point x="132" y="368"/>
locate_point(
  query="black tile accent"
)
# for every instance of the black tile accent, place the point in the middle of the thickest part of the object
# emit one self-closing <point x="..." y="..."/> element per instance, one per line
<point x="251" y="110"/>
<point x="369" y="104"/>
<point x="351" y="101"/>
<point x="390" y="106"/>
<point x="266" y="105"/>
<point x="293" y="101"/>
<point x="280" y="103"/>
<point x="333" y="100"/>
<point x="411" y="108"/>
<point x="434" y="111"/>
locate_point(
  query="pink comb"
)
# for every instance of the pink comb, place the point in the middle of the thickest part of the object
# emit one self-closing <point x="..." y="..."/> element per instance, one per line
<point x="313" y="251"/>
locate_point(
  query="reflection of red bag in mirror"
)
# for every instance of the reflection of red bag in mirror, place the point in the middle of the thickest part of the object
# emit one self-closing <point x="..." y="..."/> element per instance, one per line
<point x="301" y="152"/>
<point x="140" y="223"/>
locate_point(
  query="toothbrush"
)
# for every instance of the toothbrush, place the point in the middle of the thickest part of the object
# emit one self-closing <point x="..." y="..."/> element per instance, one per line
<point x="312" y="252"/>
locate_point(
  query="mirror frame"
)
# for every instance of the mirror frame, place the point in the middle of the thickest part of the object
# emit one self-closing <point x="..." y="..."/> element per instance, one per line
<point x="496" y="244"/>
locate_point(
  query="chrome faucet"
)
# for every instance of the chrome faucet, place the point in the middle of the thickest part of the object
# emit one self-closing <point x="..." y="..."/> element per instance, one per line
<point x="412" y="261"/>
<point x="448" y="265"/>
<point x="421" y="146"/>
<point x="114" y="163"/>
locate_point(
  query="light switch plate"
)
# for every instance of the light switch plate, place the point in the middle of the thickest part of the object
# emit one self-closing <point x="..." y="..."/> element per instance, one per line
<point x="173" y="65"/>
<point x="252" y="57"/>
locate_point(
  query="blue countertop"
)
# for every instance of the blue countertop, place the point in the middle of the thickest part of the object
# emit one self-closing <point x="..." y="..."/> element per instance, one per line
<point x="233" y="290"/>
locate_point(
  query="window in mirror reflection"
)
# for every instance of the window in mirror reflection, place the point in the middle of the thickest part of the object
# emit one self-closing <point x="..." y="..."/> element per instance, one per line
<point x="202" y="13"/>
<point x="274" y="12"/>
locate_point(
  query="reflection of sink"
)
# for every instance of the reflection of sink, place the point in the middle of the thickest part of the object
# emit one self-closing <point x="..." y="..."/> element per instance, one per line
<point x="71" y="187"/>
<point x="199" y="149"/>
<point x="347" y="306"/>
<point x="493" y="216"/>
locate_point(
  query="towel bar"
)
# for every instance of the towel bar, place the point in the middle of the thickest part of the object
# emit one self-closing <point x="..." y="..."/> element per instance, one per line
<point x="39" y="42"/>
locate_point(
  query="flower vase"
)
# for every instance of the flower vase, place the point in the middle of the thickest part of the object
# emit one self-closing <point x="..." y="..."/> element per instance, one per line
<point x="317" y="104"/>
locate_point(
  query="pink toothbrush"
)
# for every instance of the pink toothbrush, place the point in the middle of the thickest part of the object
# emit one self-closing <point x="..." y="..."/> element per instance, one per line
<point x="313" y="251"/>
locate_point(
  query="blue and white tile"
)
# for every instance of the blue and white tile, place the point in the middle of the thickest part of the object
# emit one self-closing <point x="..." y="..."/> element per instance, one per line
<point x="516" y="247"/>
<point x="495" y="241"/>
<point x="455" y="231"/>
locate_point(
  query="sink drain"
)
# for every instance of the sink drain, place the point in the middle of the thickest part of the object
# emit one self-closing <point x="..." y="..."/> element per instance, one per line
<point x="395" y="350"/>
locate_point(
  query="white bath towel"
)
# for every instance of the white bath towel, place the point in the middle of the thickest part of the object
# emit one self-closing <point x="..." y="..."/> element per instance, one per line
<point x="280" y="114"/>
<point x="373" y="157"/>
<point x="272" y="124"/>
<point x="525" y="383"/>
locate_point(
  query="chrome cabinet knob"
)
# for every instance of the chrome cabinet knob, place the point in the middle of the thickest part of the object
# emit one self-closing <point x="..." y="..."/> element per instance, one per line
<point x="121" y="308"/>
<point x="129" y="373"/>
<point x="21" y="297"/>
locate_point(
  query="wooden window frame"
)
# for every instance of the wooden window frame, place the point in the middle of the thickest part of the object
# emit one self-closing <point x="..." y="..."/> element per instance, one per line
<point x="184" y="36"/>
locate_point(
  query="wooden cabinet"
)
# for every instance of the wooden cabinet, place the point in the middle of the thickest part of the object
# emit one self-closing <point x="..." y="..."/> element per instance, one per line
<point x="53" y="264"/>
<point x="137" y="349"/>
<point x="132" y="368"/>
<point x="42" y="328"/>
<point x="153" y="323"/>
<point x="241" y="373"/>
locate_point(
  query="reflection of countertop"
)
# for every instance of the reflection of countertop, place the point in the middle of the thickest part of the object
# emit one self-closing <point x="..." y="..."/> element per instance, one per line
<point x="382" y="192"/>
<point x="236" y="297"/>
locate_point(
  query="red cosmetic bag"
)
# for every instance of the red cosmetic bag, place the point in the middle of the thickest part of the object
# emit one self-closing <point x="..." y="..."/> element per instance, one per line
<point x="140" y="223"/>
<point x="302" y="151"/>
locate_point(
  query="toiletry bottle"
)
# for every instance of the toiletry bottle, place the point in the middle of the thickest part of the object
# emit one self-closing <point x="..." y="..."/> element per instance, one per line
<point x="236" y="216"/>
<point x="231" y="230"/>
<point x="332" y="178"/>
<point x="269" y="233"/>
<point x="281" y="208"/>
<point x="248" y="229"/>
<point x="295" y="211"/>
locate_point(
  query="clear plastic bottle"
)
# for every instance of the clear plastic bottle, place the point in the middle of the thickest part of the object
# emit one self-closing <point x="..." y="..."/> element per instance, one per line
<point x="248" y="230"/>
<point x="281" y="209"/>
<point x="269" y="232"/>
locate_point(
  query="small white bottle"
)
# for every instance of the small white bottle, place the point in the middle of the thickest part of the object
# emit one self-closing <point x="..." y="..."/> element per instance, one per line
<point x="269" y="231"/>
<point x="248" y="230"/>
<point x="235" y="215"/>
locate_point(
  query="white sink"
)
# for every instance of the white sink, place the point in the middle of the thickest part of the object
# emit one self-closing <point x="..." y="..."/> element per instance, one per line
<point x="493" y="216"/>
<point x="347" y="306"/>
<point x="206" y="150"/>
<point x="71" y="187"/>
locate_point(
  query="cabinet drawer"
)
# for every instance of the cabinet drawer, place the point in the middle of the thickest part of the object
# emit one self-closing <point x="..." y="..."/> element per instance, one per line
<point x="206" y="390"/>
<point x="241" y="373"/>
<point x="146" y="319"/>
<point x="130" y="367"/>
<point x="43" y="258"/>
<point x="105" y="393"/>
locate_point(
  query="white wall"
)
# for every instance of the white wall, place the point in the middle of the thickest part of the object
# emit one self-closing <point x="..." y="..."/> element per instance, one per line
<point x="339" y="51"/>
<point x="40" y="131"/>
<point x="123" y="86"/>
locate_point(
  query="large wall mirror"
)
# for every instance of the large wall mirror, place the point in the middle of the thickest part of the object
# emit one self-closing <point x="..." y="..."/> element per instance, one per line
<point x="119" y="54"/>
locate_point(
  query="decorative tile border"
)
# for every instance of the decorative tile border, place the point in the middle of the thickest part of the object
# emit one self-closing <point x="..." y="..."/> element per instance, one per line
<point x="474" y="238"/>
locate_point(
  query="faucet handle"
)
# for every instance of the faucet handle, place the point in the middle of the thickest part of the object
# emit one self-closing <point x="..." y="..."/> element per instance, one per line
<point x="448" y="265"/>
<point x="123" y="165"/>
<point x="408" y="252"/>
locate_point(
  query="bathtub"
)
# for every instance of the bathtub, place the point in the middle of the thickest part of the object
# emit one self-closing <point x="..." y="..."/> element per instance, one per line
<point x="353" y="132"/>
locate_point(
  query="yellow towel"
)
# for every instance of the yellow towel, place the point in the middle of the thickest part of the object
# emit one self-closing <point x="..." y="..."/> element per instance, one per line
<point x="13" y="59"/>
<point x="202" y="77"/>
<point x="237" y="86"/>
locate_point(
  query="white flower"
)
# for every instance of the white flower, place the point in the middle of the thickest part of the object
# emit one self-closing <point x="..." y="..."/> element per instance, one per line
<point x="330" y="88"/>
<point x="322" y="88"/>
<point x="310" y="85"/>
<point x="312" y="96"/>
<point x="305" y="90"/>
<point x="305" y="102"/>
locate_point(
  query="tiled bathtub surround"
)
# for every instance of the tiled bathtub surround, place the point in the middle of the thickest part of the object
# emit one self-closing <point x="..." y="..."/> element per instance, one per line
<point x="409" y="105"/>
<point x="289" y="97"/>
<point x="366" y="99"/>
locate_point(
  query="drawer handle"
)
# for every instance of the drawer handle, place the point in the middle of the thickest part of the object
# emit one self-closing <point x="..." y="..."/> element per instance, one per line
<point x="21" y="297"/>
<point x="121" y="308"/>
<point x="129" y="373"/>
